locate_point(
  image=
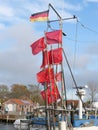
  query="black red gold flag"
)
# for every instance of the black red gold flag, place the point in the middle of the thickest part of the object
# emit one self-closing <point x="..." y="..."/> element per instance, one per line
<point x="40" y="16"/>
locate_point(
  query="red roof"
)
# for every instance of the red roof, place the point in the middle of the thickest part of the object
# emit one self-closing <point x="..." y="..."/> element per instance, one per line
<point x="75" y="102"/>
<point x="19" y="102"/>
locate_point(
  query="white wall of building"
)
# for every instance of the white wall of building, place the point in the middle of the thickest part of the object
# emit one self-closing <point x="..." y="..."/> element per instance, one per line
<point x="95" y="104"/>
<point x="11" y="107"/>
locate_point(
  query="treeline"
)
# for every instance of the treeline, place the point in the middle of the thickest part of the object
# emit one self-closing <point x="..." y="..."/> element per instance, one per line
<point x="20" y="90"/>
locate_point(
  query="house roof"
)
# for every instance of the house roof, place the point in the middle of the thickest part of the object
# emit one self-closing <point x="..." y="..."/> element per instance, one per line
<point x="19" y="102"/>
<point x="75" y="102"/>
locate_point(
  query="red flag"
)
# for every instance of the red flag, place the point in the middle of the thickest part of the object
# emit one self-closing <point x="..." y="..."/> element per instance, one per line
<point x="52" y="57"/>
<point x="55" y="93"/>
<point x="46" y="94"/>
<point x="45" y="59"/>
<point x="40" y="16"/>
<point x="46" y="75"/>
<point x="58" y="76"/>
<point x="54" y="37"/>
<point x="55" y="56"/>
<point x="38" y="46"/>
<point x="51" y="94"/>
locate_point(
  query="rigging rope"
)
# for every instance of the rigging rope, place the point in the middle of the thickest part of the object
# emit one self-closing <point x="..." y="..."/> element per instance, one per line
<point x="85" y="27"/>
<point x="68" y="38"/>
<point x="73" y="79"/>
<point x="74" y="17"/>
<point x="75" y="51"/>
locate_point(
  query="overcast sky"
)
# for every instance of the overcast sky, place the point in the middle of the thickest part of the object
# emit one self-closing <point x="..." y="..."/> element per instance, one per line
<point x="17" y="33"/>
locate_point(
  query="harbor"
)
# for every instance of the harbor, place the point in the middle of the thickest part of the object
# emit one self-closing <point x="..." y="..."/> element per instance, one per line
<point x="6" y="126"/>
<point x="7" y="118"/>
<point x="55" y="89"/>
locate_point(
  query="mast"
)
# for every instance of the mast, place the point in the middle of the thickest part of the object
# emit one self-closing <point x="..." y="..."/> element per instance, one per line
<point x="63" y="88"/>
<point x="59" y="45"/>
<point x="50" y="93"/>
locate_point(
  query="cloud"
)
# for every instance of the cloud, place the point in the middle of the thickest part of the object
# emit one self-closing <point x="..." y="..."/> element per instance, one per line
<point x="72" y="7"/>
<point x="91" y="0"/>
<point x="2" y="26"/>
<point x="6" y="11"/>
<point x="92" y="49"/>
<point x="17" y="64"/>
<point x="17" y="61"/>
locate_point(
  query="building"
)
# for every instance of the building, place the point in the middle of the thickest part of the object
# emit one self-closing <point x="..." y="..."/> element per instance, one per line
<point x="72" y="102"/>
<point x="95" y="105"/>
<point x="19" y="105"/>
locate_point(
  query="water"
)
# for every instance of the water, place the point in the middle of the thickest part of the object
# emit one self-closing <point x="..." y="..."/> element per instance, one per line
<point x="5" y="126"/>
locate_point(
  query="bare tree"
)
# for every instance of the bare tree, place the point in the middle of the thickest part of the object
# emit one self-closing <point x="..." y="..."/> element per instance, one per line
<point x="18" y="90"/>
<point x="92" y="91"/>
<point x="4" y="92"/>
<point x="35" y="93"/>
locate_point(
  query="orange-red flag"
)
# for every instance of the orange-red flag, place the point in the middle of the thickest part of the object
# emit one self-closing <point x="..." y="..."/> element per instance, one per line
<point x="46" y="75"/>
<point x="45" y="59"/>
<point x="38" y="46"/>
<point x="54" y="37"/>
<point x="52" y="57"/>
<point x="55" y="56"/>
<point x="51" y="94"/>
<point x="58" y="76"/>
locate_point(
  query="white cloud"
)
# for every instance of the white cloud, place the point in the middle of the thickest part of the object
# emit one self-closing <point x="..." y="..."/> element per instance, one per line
<point x="92" y="49"/>
<point x="72" y="7"/>
<point x="6" y="11"/>
<point x="17" y="61"/>
<point x="17" y="64"/>
<point x="2" y="26"/>
<point x="91" y="0"/>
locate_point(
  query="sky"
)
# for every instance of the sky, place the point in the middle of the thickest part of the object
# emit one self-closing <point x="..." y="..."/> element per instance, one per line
<point x="17" y="33"/>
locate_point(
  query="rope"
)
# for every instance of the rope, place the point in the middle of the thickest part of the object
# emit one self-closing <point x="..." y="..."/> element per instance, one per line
<point x="85" y="27"/>
<point x="73" y="79"/>
<point x="75" y="51"/>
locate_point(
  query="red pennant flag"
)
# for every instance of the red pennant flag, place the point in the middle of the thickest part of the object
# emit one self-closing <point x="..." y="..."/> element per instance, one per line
<point x="38" y="46"/>
<point x="58" y="76"/>
<point x="46" y="75"/>
<point x="52" y="57"/>
<point x="55" y="56"/>
<point x="45" y="59"/>
<point x="40" y="16"/>
<point x="51" y="94"/>
<point x="46" y="94"/>
<point x="54" y="37"/>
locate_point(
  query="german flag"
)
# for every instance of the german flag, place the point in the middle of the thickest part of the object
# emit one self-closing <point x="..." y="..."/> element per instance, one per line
<point x="41" y="16"/>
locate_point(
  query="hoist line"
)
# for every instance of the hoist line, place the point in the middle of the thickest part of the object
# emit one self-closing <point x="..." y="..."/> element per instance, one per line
<point x="73" y="78"/>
